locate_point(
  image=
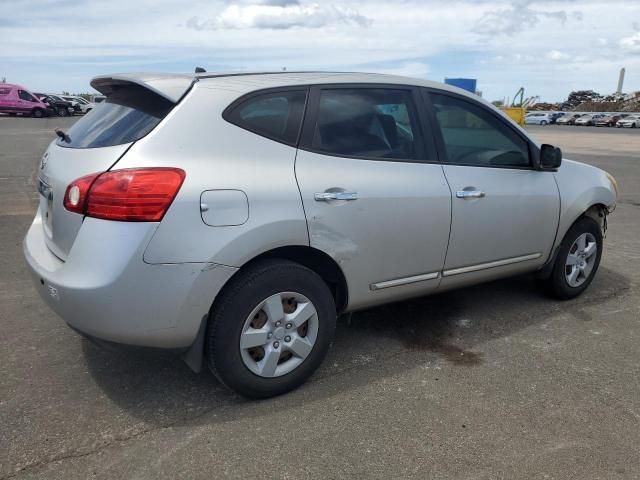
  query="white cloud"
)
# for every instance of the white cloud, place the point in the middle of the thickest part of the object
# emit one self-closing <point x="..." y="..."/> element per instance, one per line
<point x="406" y="69"/>
<point x="518" y="16"/>
<point x="557" y="56"/>
<point x="279" y="3"/>
<point x="631" y="43"/>
<point x="279" y="14"/>
<point x="408" y="37"/>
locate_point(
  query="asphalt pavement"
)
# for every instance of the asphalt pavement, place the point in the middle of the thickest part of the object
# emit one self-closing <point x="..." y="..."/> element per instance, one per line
<point x="490" y="382"/>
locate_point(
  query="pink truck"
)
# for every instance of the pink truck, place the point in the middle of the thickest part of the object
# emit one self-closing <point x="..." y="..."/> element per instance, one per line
<point x="15" y="99"/>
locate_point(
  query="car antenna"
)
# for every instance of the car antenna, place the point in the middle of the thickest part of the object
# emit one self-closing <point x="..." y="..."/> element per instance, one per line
<point x="200" y="70"/>
<point x="66" y="138"/>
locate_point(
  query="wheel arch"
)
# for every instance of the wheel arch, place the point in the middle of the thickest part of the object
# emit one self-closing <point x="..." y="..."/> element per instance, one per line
<point x="316" y="260"/>
<point x="597" y="212"/>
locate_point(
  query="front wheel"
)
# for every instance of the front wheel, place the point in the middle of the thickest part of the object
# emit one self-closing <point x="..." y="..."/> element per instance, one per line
<point x="37" y="113"/>
<point x="63" y="112"/>
<point x="577" y="261"/>
<point x="270" y="328"/>
<point x="543" y="123"/>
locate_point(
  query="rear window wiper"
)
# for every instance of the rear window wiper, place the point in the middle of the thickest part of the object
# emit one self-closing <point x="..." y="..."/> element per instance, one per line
<point x="66" y="138"/>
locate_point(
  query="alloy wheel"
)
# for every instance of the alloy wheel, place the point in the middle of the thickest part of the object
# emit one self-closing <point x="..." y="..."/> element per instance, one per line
<point x="279" y="334"/>
<point x="581" y="259"/>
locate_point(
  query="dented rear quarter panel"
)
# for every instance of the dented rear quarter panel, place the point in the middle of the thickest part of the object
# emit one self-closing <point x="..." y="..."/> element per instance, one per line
<point x="218" y="155"/>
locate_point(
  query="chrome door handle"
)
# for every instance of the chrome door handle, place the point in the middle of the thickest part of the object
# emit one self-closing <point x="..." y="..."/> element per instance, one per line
<point x="326" y="196"/>
<point x="469" y="194"/>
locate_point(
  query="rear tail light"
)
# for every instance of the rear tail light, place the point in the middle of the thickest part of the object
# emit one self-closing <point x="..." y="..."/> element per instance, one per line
<point x="127" y="195"/>
<point x="75" y="196"/>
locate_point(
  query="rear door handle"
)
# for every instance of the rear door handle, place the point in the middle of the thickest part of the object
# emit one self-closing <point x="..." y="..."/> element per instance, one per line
<point x="464" y="194"/>
<point x="326" y="196"/>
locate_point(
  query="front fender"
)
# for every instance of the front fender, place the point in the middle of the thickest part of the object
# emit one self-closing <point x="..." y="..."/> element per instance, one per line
<point x="581" y="187"/>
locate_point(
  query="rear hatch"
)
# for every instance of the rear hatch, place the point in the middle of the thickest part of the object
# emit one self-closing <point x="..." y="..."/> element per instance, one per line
<point x="95" y="144"/>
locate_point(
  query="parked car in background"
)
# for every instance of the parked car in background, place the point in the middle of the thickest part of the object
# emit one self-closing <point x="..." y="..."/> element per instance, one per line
<point x="98" y="99"/>
<point x="630" y="121"/>
<point x="83" y="105"/>
<point x="537" y="118"/>
<point x="588" y="120"/>
<point x="58" y="98"/>
<point x="238" y="236"/>
<point x="61" y="107"/>
<point x="17" y="100"/>
<point x="568" y="119"/>
<point x="556" y="116"/>
<point x="74" y="103"/>
<point x="609" y="120"/>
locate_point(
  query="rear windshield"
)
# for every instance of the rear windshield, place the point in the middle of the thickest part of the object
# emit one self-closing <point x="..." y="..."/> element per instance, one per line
<point x="125" y="116"/>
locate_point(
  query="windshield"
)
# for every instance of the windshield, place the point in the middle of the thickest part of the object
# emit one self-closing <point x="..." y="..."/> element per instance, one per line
<point x="125" y="116"/>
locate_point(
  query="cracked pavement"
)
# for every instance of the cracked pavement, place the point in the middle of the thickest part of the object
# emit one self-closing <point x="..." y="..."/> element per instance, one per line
<point x="493" y="381"/>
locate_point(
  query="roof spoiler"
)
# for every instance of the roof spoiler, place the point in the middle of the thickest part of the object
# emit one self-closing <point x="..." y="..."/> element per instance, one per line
<point x="171" y="87"/>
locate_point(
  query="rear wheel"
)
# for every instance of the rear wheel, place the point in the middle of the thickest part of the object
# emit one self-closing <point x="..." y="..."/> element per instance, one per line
<point x="577" y="261"/>
<point x="543" y="123"/>
<point x="37" y="113"/>
<point x="63" y="112"/>
<point x="270" y="328"/>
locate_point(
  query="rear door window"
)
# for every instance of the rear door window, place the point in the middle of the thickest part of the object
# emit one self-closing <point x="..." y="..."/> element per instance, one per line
<point x="125" y="116"/>
<point x="275" y="115"/>
<point x="369" y="123"/>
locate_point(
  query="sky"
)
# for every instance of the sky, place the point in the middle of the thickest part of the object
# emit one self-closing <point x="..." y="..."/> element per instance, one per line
<point x="548" y="47"/>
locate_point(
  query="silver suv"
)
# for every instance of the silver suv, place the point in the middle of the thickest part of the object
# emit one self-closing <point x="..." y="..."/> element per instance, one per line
<point x="232" y="217"/>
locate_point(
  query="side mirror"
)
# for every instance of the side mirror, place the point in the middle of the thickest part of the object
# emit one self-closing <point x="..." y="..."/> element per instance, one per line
<point x="550" y="157"/>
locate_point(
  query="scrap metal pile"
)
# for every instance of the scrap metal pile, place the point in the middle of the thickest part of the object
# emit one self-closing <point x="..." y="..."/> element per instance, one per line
<point x="590" y="101"/>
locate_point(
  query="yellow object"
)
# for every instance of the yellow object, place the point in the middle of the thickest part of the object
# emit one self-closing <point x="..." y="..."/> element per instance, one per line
<point x="516" y="113"/>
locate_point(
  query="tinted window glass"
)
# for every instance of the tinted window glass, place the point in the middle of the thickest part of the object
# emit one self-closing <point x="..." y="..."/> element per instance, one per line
<point x="474" y="136"/>
<point x="125" y="116"/>
<point x="276" y="115"/>
<point x="26" y="96"/>
<point x="371" y="123"/>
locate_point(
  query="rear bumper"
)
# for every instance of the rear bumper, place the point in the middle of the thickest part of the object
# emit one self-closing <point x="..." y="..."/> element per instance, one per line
<point x="107" y="291"/>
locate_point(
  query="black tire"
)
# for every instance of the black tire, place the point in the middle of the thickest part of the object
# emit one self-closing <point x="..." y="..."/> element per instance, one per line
<point x="63" y="112"/>
<point x="543" y="123"/>
<point x="37" y="113"/>
<point x="234" y="305"/>
<point x="557" y="284"/>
